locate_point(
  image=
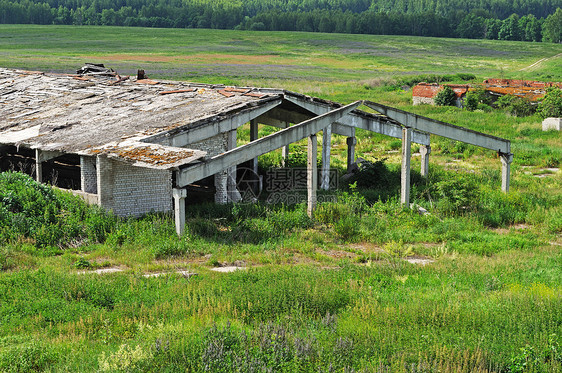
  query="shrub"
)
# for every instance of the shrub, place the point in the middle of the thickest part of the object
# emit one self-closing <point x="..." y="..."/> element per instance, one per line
<point x="445" y="97"/>
<point x="347" y="228"/>
<point x="551" y="105"/>
<point x="455" y="195"/>
<point x="471" y="101"/>
<point x="372" y="174"/>
<point x="51" y="218"/>
<point x="517" y="106"/>
<point x="476" y="97"/>
<point x="331" y="212"/>
<point x="30" y="357"/>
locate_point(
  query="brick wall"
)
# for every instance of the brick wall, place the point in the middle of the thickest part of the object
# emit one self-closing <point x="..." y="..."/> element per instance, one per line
<point x="213" y="146"/>
<point x="133" y="191"/>
<point x="88" y="174"/>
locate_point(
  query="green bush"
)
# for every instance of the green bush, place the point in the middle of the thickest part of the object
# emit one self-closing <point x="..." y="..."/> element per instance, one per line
<point x="551" y="105"/>
<point x="29" y="357"/>
<point x="51" y="218"/>
<point x="445" y="97"/>
<point x="455" y="196"/>
<point x="348" y="227"/>
<point x="517" y="106"/>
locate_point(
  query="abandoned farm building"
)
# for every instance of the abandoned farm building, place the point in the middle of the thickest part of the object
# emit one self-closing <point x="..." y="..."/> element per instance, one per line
<point x="134" y="145"/>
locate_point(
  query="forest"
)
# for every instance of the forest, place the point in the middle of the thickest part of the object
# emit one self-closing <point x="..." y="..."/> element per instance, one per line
<point x="525" y="20"/>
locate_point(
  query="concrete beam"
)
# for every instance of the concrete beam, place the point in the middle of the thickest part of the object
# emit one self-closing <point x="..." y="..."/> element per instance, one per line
<point x="285" y="115"/>
<point x="405" y="172"/>
<point x="179" y="209"/>
<point x="204" y="129"/>
<point x="266" y="119"/>
<point x="326" y="150"/>
<point x="436" y="127"/>
<point x="46" y="155"/>
<point x="312" y="174"/>
<point x="340" y="129"/>
<point x="261" y="146"/>
<point x="360" y="119"/>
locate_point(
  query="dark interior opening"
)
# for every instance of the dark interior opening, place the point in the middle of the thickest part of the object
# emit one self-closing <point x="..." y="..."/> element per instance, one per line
<point x="19" y="160"/>
<point x="63" y="172"/>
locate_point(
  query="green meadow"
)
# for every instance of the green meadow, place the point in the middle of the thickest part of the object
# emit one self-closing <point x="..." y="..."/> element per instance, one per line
<point x="475" y="285"/>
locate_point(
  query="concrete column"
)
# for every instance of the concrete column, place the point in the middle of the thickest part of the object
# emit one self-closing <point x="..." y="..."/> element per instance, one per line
<point x="425" y="151"/>
<point x="405" y="175"/>
<point x="312" y="174"/>
<point x="351" y="142"/>
<point x="88" y="174"/>
<point x="179" y="209"/>
<point x="254" y="137"/>
<point x="506" y="162"/>
<point x="221" y="195"/>
<point x="38" y="166"/>
<point x="285" y="150"/>
<point x="233" y="194"/>
<point x="326" y="150"/>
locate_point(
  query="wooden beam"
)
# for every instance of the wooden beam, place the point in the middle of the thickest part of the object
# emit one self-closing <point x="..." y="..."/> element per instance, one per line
<point x="260" y="146"/>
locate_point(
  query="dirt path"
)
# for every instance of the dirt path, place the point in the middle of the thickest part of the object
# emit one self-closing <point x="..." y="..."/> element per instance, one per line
<point x="540" y="61"/>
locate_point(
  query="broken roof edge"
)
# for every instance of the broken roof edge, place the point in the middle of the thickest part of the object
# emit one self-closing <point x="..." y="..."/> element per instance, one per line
<point x="147" y="155"/>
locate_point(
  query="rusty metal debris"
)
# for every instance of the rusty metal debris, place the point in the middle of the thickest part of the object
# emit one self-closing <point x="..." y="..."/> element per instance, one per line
<point x="225" y="93"/>
<point x="238" y="90"/>
<point x="147" y="81"/>
<point x="252" y="94"/>
<point x="119" y="79"/>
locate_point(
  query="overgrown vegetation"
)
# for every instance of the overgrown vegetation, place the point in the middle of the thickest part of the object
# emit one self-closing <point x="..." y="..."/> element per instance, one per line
<point x="445" y="97"/>
<point x="551" y="105"/>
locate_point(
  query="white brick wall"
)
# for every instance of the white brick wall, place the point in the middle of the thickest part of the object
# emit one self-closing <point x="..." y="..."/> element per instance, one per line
<point x="88" y="174"/>
<point x="133" y="191"/>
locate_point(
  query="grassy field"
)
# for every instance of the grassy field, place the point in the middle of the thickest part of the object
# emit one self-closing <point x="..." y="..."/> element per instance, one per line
<point x="331" y="294"/>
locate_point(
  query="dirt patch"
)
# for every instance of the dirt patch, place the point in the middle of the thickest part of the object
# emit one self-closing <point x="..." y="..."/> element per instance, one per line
<point x="366" y="247"/>
<point x="337" y="254"/>
<point x="517" y="227"/>
<point x="419" y="260"/>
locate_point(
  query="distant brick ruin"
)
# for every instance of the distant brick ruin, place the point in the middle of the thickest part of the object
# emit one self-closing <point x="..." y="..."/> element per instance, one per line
<point x="424" y="93"/>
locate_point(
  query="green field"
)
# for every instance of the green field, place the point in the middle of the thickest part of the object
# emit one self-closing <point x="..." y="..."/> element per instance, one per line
<point x="331" y="294"/>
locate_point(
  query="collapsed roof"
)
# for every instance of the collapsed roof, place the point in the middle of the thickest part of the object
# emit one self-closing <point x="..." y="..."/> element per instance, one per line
<point x="89" y="115"/>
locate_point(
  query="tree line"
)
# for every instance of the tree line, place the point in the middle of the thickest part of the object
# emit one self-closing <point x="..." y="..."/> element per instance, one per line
<point x="526" y="20"/>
